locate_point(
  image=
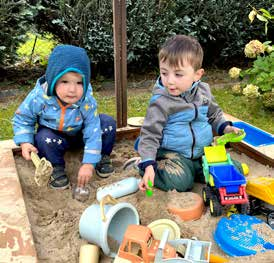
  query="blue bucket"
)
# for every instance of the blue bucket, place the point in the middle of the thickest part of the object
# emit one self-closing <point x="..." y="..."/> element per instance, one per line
<point x="101" y="223"/>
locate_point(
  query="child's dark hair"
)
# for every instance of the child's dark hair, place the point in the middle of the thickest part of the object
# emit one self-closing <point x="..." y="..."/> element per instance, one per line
<point x="179" y="49"/>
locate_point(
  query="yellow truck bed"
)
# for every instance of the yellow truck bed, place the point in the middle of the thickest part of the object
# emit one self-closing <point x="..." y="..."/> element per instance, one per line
<point x="261" y="188"/>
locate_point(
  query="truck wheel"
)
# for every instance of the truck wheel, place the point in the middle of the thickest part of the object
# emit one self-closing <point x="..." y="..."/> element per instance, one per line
<point x="243" y="208"/>
<point x="206" y="195"/>
<point x="270" y="219"/>
<point x="215" y="207"/>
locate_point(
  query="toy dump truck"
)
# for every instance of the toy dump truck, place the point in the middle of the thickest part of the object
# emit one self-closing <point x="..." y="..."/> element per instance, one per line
<point x="225" y="184"/>
<point x="139" y="245"/>
<point x="261" y="197"/>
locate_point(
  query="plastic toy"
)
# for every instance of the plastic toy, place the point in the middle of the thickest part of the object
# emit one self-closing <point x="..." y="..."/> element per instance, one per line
<point x="139" y="246"/>
<point x="149" y="192"/>
<point x="43" y="170"/>
<point x="243" y="235"/>
<point x="188" y="212"/>
<point x="89" y="253"/>
<point x="118" y="189"/>
<point x="225" y="185"/>
<point x="159" y="226"/>
<point x="105" y="224"/>
<point x="261" y="197"/>
<point x="231" y="137"/>
<point x="81" y="193"/>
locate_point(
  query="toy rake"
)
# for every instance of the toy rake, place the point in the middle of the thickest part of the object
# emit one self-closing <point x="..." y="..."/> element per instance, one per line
<point x="43" y="169"/>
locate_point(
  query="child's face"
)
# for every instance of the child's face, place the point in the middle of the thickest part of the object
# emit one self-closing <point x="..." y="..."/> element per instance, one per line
<point x="178" y="80"/>
<point x="69" y="87"/>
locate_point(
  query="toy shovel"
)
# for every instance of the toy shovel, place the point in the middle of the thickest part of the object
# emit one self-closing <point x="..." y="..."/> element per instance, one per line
<point x="43" y="169"/>
<point x="231" y="137"/>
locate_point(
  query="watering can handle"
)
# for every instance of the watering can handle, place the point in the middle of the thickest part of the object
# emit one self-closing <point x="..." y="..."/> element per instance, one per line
<point x="108" y="199"/>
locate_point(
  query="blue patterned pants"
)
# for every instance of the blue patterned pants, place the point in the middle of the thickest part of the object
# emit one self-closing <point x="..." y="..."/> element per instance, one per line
<point x="61" y="142"/>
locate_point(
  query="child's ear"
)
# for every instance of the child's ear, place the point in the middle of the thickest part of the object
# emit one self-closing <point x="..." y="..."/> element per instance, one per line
<point x="199" y="73"/>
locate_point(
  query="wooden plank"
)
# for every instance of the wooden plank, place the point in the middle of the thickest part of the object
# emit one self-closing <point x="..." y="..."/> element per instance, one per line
<point x="127" y="133"/>
<point x="262" y="154"/>
<point x="16" y="240"/>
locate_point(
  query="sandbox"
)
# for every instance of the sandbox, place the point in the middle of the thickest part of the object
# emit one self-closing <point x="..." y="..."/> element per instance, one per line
<point x="54" y="215"/>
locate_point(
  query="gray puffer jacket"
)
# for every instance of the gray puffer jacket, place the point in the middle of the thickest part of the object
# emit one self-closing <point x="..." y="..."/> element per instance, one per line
<point x="182" y="124"/>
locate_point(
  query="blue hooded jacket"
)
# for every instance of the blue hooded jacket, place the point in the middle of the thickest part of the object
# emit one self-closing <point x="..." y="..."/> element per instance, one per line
<point x="42" y="106"/>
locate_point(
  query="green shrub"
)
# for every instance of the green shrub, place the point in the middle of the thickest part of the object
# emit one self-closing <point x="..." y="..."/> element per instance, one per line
<point x="16" y="18"/>
<point x="260" y="76"/>
<point x="218" y="24"/>
<point x="41" y="46"/>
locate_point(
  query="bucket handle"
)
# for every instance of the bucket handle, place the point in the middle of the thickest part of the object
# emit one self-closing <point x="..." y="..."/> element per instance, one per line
<point x="108" y="199"/>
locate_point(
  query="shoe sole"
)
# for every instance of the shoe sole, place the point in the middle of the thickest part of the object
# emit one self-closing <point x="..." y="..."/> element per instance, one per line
<point x="59" y="187"/>
<point x="131" y="163"/>
<point x="102" y="175"/>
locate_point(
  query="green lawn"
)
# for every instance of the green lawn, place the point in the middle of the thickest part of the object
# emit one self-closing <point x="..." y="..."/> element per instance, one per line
<point x="239" y="106"/>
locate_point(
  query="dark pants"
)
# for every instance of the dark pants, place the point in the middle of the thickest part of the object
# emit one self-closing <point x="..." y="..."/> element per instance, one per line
<point x="174" y="171"/>
<point x="53" y="144"/>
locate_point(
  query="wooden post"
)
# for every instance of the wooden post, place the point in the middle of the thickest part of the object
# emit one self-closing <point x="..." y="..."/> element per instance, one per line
<point x="120" y="60"/>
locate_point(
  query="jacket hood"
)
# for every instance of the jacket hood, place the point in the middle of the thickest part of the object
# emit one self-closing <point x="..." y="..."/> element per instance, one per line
<point x="64" y="59"/>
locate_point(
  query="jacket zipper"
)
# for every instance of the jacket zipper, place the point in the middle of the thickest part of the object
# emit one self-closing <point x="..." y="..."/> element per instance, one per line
<point x="192" y="132"/>
<point x="62" y="115"/>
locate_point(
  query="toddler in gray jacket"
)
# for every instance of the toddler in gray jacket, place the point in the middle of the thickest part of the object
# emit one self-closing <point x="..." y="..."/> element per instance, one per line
<point x="180" y="119"/>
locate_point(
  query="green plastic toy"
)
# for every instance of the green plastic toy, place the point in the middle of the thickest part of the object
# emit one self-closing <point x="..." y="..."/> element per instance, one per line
<point x="231" y="137"/>
<point x="149" y="192"/>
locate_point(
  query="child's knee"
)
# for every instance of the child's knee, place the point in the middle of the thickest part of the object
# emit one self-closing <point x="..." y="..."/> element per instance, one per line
<point x="183" y="183"/>
<point x="107" y="121"/>
<point x="168" y="182"/>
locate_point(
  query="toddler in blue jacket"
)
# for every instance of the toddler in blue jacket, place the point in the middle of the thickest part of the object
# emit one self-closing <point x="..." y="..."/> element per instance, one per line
<point x="62" y="108"/>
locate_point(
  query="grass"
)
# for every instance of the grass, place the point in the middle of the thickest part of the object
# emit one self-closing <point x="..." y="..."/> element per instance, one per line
<point x="250" y="111"/>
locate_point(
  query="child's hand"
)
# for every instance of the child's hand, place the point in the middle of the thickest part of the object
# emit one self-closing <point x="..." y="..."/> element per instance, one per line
<point x="149" y="175"/>
<point x="229" y="129"/>
<point x="27" y="148"/>
<point x="85" y="173"/>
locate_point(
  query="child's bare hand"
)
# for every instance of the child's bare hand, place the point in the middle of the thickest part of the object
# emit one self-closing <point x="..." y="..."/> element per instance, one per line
<point x="85" y="173"/>
<point x="149" y="175"/>
<point x="229" y="129"/>
<point x="27" y="148"/>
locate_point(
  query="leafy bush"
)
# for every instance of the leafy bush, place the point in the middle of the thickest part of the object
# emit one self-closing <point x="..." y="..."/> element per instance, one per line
<point x="218" y="24"/>
<point x="220" y="27"/>
<point x="16" y="18"/>
<point x="36" y="49"/>
<point x="260" y="76"/>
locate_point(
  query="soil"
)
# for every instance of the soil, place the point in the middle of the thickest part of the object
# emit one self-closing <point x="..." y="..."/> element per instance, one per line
<point x="54" y="215"/>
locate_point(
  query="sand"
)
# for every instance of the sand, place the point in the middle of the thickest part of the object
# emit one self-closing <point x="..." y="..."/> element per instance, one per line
<point x="54" y="215"/>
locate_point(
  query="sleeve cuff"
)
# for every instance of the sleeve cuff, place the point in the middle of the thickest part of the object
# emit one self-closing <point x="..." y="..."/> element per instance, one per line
<point x="143" y="165"/>
<point x="222" y="127"/>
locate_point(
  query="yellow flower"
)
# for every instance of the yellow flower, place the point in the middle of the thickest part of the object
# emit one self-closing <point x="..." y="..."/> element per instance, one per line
<point x="234" y="72"/>
<point x="251" y="91"/>
<point x="252" y="15"/>
<point x="236" y="89"/>
<point x="268" y="49"/>
<point x="254" y="48"/>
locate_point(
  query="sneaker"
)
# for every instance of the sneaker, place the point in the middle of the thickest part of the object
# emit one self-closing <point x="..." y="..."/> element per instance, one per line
<point x="132" y="163"/>
<point x="59" y="179"/>
<point x="104" y="168"/>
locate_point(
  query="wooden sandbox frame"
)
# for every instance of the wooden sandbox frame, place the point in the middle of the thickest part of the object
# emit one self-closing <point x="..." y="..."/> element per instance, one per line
<point x="16" y="240"/>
